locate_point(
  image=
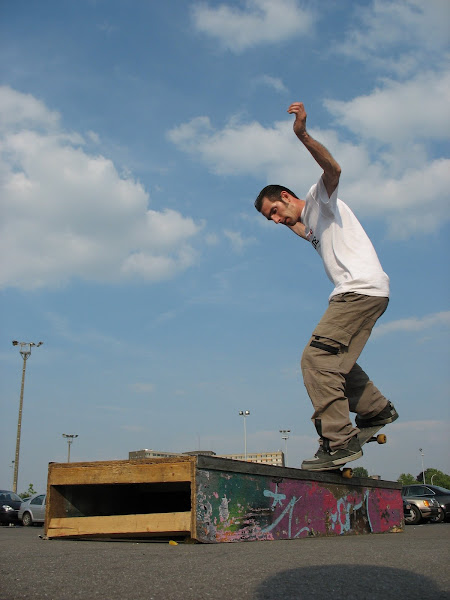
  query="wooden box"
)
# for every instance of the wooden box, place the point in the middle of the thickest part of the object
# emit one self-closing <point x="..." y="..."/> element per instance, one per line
<point x="210" y="499"/>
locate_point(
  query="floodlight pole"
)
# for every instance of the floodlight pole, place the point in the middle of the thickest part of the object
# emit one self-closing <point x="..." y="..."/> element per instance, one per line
<point x="285" y="436"/>
<point x="25" y="351"/>
<point x="245" y="413"/>
<point x="70" y="437"/>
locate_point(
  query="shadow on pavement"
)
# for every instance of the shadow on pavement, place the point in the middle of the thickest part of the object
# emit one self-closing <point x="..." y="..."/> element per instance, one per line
<point x="344" y="581"/>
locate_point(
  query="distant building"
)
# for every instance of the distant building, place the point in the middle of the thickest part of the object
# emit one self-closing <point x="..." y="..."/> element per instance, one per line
<point x="264" y="458"/>
<point x="151" y="454"/>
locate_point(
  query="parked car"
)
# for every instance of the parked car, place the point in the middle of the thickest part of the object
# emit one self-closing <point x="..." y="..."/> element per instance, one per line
<point x="32" y="510"/>
<point x="442" y="495"/>
<point x="9" y="507"/>
<point x="421" y="508"/>
<point x="406" y="509"/>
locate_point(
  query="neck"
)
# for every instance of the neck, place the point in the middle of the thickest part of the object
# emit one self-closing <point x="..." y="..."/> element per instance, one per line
<point x="301" y="206"/>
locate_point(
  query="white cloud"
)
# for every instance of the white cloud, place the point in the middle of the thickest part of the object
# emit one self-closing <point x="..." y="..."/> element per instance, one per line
<point x="413" y="324"/>
<point x="415" y="201"/>
<point x="396" y="112"/>
<point x="387" y="32"/>
<point x="143" y="388"/>
<point x="390" y="172"/>
<point x="93" y="137"/>
<point x="68" y="214"/>
<point x="237" y="240"/>
<point x="22" y="110"/>
<point x="272" y="82"/>
<point x="258" y="22"/>
<point x="239" y="148"/>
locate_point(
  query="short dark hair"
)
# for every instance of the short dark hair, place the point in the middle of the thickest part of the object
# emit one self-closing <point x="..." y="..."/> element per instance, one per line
<point x="272" y="193"/>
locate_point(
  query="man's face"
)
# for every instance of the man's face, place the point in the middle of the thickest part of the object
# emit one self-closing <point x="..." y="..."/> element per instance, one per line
<point x="285" y="211"/>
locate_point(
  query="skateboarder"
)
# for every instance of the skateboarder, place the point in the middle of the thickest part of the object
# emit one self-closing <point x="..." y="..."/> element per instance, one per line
<point x="335" y="383"/>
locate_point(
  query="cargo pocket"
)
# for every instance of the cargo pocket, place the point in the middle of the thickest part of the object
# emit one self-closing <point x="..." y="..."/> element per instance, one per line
<point x="325" y="344"/>
<point x="333" y="332"/>
<point x="322" y="354"/>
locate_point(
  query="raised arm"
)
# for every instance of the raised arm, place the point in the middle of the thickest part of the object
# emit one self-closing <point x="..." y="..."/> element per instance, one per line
<point x="331" y="169"/>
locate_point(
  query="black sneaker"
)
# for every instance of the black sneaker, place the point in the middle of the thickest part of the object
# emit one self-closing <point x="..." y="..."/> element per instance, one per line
<point x="387" y="415"/>
<point x="326" y="460"/>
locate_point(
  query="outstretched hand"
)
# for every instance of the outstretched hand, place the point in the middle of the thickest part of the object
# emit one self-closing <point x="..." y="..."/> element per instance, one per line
<point x="298" y="109"/>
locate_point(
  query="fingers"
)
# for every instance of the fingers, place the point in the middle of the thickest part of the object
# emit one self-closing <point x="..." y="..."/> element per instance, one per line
<point x="296" y="107"/>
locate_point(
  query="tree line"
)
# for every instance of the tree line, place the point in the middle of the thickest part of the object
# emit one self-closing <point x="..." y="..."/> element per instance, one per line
<point x="430" y="476"/>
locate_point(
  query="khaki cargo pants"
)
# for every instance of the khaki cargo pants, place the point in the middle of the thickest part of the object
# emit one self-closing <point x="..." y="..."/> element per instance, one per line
<point x="335" y="383"/>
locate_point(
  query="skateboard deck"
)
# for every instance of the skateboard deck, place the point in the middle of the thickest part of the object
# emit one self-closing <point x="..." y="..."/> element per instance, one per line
<point x="365" y="435"/>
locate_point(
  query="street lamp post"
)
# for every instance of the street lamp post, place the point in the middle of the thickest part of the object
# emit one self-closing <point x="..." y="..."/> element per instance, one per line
<point x="423" y="470"/>
<point x="285" y="436"/>
<point x="70" y="437"/>
<point x="25" y="351"/>
<point x="245" y="413"/>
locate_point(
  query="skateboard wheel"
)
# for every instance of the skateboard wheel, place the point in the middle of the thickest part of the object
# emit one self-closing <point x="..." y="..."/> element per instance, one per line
<point x="381" y="438"/>
<point x="347" y="473"/>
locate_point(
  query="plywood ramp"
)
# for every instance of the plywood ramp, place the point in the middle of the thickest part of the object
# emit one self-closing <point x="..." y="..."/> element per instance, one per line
<point x="209" y="499"/>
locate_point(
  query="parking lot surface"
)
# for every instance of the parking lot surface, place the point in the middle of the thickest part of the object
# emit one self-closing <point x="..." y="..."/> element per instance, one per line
<point x="410" y="565"/>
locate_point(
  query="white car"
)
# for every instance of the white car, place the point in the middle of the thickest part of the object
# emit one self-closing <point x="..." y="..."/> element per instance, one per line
<point x="32" y="510"/>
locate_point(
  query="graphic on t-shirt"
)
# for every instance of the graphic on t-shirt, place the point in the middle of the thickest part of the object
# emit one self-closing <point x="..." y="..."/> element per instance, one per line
<point x="314" y="241"/>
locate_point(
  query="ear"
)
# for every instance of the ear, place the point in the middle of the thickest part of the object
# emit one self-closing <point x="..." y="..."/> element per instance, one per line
<point x="284" y="196"/>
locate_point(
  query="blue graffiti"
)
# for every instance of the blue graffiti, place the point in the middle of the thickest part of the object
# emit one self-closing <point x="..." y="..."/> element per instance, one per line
<point x="277" y="498"/>
<point x="289" y="509"/>
<point x="346" y="505"/>
<point x="343" y="506"/>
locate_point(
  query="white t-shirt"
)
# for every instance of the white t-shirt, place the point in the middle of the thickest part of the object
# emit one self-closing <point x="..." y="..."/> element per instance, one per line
<point x="348" y="255"/>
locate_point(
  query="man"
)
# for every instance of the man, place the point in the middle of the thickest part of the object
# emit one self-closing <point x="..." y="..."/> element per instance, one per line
<point x="335" y="383"/>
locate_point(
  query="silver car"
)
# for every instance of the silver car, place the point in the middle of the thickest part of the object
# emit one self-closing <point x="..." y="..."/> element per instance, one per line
<point x="421" y="509"/>
<point x="32" y="510"/>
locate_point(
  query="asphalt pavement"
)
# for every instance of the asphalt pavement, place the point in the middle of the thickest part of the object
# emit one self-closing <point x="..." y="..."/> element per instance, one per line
<point x="405" y="566"/>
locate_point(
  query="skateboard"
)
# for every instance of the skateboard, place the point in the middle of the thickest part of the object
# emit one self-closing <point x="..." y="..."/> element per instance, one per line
<point x="365" y="435"/>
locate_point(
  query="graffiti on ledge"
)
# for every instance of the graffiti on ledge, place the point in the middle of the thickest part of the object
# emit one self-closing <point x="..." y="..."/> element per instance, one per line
<point x="243" y="507"/>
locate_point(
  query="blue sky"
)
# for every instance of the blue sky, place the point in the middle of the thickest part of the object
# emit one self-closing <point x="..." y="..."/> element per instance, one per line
<point x="135" y="136"/>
